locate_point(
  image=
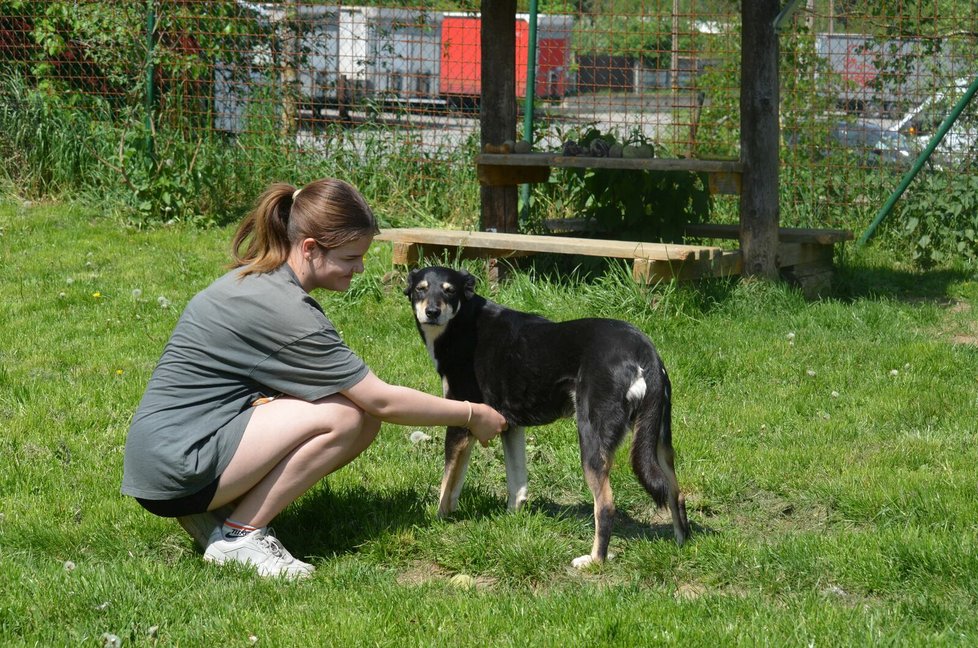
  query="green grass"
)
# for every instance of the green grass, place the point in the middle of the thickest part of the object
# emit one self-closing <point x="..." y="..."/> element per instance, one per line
<point x="830" y="476"/>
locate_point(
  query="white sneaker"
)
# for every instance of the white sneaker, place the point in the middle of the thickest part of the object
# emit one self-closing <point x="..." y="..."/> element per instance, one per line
<point x="261" y="550"/>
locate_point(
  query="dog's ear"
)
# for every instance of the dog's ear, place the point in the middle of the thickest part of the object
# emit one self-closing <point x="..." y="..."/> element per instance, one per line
<point x="468" y="286"/>
<point x="412" y="278"/>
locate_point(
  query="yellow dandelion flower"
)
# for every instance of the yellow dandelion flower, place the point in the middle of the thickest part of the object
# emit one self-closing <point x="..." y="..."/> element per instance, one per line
<point x="96" y="294"/>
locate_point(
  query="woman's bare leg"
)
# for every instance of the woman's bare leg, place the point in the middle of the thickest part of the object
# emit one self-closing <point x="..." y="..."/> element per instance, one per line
<point x="288" y="446"/>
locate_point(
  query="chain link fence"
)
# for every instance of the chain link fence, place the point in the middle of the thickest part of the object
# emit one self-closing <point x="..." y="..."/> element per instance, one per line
<point x="863" y="89"/>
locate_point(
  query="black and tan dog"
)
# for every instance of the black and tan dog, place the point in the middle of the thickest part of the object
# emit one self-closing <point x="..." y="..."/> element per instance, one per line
<point x="534" y="371"/>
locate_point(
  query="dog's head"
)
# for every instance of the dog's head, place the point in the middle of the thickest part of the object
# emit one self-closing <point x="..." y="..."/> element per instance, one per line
<point x="437" y="293"/>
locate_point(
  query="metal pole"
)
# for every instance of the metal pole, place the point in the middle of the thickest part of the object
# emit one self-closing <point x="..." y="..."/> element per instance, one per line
<point x="150" y="74"/>
<point x="921" y="160"/>
<point x="531" y="86"/>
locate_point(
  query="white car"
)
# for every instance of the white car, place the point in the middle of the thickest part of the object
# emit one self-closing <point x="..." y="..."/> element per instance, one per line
<point x="960" y="144"/>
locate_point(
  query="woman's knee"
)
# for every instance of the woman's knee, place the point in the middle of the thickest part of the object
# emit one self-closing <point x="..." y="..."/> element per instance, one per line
<point x="354" y="426"/>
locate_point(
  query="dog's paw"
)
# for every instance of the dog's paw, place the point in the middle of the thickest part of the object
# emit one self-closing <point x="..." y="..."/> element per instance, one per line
<point x="585" y="561"/>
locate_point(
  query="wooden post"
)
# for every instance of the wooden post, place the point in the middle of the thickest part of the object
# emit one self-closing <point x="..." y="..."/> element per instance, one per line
<point x="759" y="99"/>
<point x="497" y="106"/>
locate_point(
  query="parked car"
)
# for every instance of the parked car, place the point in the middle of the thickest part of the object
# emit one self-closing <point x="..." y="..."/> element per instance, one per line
<point x="873" y="144"/>
<point x="868" y="143"/>
<point x="920" y="123"/>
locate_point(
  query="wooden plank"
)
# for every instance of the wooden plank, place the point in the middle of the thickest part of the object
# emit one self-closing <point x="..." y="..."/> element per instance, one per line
<point x="634" y="164"/>
<point x="648" y="271"/>
<point x="785" y="234"/>
<point x="495" y="176"/>
<point x="500" y="242"/>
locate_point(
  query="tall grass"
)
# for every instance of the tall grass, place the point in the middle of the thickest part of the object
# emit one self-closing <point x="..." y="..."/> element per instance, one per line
<point x="70" y="148"/>
<point x="826" y="449"/>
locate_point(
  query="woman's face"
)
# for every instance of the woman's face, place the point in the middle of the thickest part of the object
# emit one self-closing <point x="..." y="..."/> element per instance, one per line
<point x="333" y="269"/>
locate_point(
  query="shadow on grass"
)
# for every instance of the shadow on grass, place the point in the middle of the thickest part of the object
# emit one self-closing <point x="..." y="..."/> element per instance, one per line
<point x="329" y="522"/>
<point x="625" y="526"/>
<point x="859" y="281"/>
<point x="325" y="522"/>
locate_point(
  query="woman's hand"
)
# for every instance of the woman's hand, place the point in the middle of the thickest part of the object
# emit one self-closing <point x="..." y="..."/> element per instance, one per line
<point x="486" y="423"/>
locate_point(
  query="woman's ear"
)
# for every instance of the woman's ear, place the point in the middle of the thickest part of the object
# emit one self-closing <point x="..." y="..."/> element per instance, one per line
<point x="307" y="247"/>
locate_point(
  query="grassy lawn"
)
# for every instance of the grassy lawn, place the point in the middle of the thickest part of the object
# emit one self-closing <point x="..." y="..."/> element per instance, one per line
<point x="826" y="449"/>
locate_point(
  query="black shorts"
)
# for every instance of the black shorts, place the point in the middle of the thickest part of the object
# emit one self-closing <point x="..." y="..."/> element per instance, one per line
<point x="186" y="505"/>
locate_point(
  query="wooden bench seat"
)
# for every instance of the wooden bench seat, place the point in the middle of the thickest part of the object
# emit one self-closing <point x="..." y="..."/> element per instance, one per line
<point x="650" y="261"/>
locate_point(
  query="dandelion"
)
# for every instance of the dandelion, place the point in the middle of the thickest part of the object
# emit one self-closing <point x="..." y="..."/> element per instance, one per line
<point x="110" y="640"/>
<point x="253" y="638"/>
<point x="119" y="372"/>
<point x="69" y="566"/>
<point x="97" y="294"/>
<point x="811" y="373"/>
<point x="70" y="280"/>
<point x="894" y="372"/>
<point x="418" y="436"/>
<point x="835" y="394"/>
<point x="163" y="301"/>
<point x="791" y="337"/>
<point x="62" y="295"/>
<point x="137" y="293"/>
<point x="153" y="631"/>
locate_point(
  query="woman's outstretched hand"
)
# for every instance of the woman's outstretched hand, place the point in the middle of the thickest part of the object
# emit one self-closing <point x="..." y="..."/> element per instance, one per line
<point x="486" y="423"/>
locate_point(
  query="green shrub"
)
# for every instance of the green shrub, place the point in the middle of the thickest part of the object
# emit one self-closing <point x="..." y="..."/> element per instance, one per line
<point x="939" y="219"/>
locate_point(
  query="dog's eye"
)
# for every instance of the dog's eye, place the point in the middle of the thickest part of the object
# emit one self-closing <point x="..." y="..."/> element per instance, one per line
<point x="449" y="290"/>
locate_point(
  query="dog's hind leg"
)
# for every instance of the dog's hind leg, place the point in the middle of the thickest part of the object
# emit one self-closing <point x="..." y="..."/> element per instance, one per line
<point x="458" y="450"/>
<point x="514" y="451"/>
<point x="597" y="470"/>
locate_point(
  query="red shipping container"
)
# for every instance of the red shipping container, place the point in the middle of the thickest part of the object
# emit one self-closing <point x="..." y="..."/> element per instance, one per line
<point x="460" y="72"/>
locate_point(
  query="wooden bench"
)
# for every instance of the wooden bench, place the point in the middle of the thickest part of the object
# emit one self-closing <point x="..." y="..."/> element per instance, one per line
<point x="650" y="261"/>
<point x="804" y="255"/>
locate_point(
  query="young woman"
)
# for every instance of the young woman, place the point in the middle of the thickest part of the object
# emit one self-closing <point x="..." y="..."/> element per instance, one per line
<point x="256" y="397"/>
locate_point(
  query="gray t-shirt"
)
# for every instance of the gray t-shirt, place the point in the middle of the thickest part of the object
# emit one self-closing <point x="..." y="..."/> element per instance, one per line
<point x="238" y="340"/>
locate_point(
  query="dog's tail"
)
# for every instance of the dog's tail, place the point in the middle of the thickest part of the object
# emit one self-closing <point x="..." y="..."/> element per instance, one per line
<point x="652" y="454"/>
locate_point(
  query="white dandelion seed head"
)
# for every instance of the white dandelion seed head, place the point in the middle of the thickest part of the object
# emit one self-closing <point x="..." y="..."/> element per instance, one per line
<point x="137" y="293"/>
<point x="418" y="437"/>
<point x="69" y="566"/>
<point x="810" y="373"/>
<point x="110" y="640"/>
<point x="163" y="301"/>
<point x="894" y="372"/>
<point x="835" y="394"/>
<point x="791" y="336"/>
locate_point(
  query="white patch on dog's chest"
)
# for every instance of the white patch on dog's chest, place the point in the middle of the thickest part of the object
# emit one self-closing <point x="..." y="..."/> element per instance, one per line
<point x="431" y="333"/>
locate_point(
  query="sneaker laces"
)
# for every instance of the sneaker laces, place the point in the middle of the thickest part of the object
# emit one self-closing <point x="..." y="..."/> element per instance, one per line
<point x="268" y="541"/>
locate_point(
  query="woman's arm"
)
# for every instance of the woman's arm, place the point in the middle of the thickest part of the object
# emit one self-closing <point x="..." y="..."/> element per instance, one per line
<point x="406" y="406"/>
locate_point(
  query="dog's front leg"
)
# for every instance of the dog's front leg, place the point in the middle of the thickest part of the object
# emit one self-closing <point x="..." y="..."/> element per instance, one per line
<point x="514" y="451"/>
<point x="458" y="450"/>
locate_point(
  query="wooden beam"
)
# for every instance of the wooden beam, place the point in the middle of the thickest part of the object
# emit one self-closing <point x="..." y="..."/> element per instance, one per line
<point x="785" y="234"/>
<point x="759" y="104"/>
<point x="497" y="106"/>
<point x="509" y="244"/>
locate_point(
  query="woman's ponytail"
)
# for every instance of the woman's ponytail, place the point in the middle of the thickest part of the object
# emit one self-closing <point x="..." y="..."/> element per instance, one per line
<point x="262" y="240"/>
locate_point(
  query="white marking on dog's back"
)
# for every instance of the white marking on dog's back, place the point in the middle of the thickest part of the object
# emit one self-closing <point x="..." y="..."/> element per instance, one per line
<point x="636" y="391"/>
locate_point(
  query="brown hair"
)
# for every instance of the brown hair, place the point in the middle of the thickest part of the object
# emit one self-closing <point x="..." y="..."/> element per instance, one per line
<point x="330" y="211"/>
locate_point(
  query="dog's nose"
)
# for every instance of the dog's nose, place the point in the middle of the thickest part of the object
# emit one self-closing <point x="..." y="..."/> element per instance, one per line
<point x="432" y="312"/>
